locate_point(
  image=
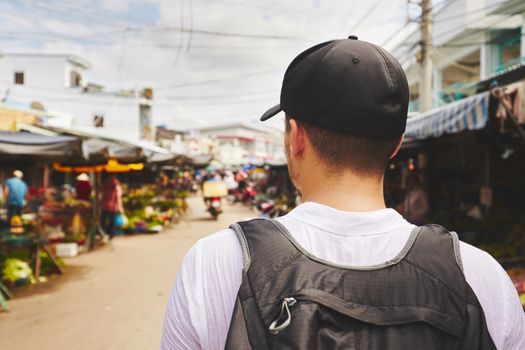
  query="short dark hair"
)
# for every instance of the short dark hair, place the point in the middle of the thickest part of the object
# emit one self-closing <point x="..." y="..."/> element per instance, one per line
<point x="340" y="151"/>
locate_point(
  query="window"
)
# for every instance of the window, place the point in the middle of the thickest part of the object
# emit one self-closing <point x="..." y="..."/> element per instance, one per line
<point x="75" y="79"/>
<point x="98" y="121"/>
<point x="19" y="78"/>
<point x="506" y="48"/>
<point x="145" y="122"/>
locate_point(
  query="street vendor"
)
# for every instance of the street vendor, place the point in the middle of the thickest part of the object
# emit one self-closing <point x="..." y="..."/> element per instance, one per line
<point x="83" y="187"/>
<point x="15" y="194"/>
<point x="111" y="204"/>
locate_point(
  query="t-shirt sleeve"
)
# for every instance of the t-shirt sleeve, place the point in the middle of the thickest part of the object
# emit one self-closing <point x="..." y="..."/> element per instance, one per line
<point x="515" y="335"/>
<point x="498" y="297"/>
<point x="201" y="304"/>
<point x="178" y="332"/>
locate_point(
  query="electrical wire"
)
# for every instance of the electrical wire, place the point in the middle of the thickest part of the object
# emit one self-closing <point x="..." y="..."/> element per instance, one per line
<point x="500" y="37"/>
<point x="212" y="81"/>
<point x="181" y="34"/>
<point x="364" y="17"/>
<point x="220" y="96"/>
<point x="454" y="29"/>
<point x="409" y="21"/>
<point x="190" y="2"/>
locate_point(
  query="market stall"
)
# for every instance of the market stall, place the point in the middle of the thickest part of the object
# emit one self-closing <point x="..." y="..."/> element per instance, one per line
<point x="29" y="147"/>
<point x="462" y="160"/>
<point x="24" y="251"/>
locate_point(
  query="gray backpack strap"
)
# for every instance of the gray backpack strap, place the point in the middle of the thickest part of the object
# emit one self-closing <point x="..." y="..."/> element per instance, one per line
<point x="266" y="249"/>
<point x="457" y="251"/>
<point x="437" y="249"/>
<point x="246" y="256"/>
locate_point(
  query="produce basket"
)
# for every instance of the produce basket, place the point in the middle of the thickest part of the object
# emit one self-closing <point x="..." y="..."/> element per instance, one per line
<point x="214" y="189"/>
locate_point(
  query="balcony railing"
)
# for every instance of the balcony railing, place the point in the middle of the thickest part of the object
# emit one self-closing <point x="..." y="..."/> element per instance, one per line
<point x="502" y="67"/>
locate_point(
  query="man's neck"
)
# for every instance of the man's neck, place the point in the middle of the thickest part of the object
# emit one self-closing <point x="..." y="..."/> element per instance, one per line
<point x="348" y="192"/>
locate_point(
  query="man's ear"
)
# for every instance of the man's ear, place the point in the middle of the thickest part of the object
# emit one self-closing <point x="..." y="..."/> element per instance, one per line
<point x="398" y="147"/>
<point x="297" y="138"/>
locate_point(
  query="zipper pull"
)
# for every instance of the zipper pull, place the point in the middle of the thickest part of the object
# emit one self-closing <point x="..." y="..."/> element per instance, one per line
<point x="277" y="327"/>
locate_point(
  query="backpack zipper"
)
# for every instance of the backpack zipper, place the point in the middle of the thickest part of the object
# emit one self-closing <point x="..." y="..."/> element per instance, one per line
<point x="385" y="316"/>
<point x="277" y="326"/>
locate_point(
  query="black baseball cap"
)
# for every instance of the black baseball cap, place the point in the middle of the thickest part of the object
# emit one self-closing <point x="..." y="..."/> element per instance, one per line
<point x="349" y="86"/>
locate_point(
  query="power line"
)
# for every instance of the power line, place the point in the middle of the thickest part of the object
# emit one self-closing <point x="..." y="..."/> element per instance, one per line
<point x="502" y="36"/>
<point x="452" y="30"/>
<point x="213" y="103"/>
<point x="79" y="15"/>
<point x="364" y="17"/>
<point x="220" y="96"/>
<point x="280" y="10"/>
<point x="409" y="21"/>
<point x="161" y="29"/>
<point x="224" y="34"/>
<point x="190" y="2"/>
<point x="211" y="81"/>
<point x="181" y="35"/>
<point x="414" y="44"/>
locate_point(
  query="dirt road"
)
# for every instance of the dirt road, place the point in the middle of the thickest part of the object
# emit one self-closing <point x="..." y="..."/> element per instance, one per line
<point x="110" y="298"/>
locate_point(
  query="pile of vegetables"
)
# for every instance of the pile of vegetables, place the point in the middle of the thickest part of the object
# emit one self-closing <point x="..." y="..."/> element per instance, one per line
<point x="149" y="209"/>
<point x="17" y="271"/>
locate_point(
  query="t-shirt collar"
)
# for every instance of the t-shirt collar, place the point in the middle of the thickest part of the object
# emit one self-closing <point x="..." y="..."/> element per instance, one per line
<point x="348" y="223"/>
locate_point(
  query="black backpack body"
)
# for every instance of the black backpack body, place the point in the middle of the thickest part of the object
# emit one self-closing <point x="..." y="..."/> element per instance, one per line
<point x="290" y="299"/>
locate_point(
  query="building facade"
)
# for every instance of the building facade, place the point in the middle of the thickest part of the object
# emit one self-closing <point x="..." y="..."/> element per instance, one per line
<point x="231" y="144"/>
<point x="472" y="41"/>
<point x="59" y="85"/>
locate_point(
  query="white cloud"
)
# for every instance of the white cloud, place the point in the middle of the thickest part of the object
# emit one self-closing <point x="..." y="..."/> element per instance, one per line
<point x="115" y="5"/>
<point x="159" y="58"/>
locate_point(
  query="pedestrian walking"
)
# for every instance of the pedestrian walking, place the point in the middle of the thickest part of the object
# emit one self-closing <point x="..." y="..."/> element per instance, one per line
<point x="15" y="194"/>
<point x="111" y="204"/>
<point x="341" y="270"/>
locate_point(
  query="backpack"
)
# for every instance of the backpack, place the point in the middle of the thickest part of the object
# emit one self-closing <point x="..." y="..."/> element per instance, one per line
<point x="290" y="299"/>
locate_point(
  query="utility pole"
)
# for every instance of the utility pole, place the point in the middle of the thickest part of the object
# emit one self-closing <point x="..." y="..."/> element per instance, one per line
<point x="425" y="86"/>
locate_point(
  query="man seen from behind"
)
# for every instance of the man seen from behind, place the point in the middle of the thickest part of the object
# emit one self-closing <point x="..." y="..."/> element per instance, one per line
<point x="341" y="270"/>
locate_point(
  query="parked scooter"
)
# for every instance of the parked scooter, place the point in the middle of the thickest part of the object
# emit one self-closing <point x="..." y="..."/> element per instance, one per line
<point x="265" y="208"/>
<point x="246" y="196"/>
<point x="272" y="208"/>
<point x="249" y="194"/>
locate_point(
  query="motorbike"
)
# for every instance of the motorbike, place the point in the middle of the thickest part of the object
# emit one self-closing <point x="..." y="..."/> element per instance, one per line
<point x="214" y="206"/>
<point x="265" y="208"/>
<point x="270" y="209"/>
<point x="212" y="192"/>
<point x="234" y="196"/>
<point x="246" y="196"/>
<point x="249" y="194"/>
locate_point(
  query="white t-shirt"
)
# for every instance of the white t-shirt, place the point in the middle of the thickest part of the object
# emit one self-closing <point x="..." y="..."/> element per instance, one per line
<point x="203" y="297"/>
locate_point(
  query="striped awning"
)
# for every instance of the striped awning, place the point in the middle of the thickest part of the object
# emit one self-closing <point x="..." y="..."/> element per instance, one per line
<point x="470" y="113"/>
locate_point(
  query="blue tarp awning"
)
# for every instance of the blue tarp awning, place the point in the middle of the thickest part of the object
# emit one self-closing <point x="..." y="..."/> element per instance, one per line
<point x="470" y="113"/>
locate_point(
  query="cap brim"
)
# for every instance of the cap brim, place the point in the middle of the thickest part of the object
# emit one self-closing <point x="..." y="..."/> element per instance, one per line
<point x="271" y="112"/>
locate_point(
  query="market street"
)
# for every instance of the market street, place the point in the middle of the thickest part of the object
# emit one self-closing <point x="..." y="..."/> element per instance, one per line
<point x="110" y="298"/>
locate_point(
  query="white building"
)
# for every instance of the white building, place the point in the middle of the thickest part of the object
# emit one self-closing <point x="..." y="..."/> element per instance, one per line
<point x="242" y="143"/>
<point x="473" y="40"/>
<point x="58" y="84"/>
<point x="231" y="144"/>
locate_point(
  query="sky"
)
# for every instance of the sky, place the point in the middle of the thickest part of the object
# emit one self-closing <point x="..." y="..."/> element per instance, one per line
<point x="208" y="61"/>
